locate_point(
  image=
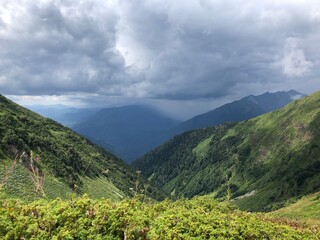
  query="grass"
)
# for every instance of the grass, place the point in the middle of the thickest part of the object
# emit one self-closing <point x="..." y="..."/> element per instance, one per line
<point x="101" y="187"/>
<point x="306" y="210"/>
<point x="202" y="149"/>
<point x="19" y="185"/>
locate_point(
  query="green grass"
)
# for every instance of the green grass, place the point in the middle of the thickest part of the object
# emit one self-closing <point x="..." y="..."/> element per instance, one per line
<point x="202" y="149"/>
<point x="306" y="209"/>
<point x="101" y="187"/>
<point x="19" y="183"/>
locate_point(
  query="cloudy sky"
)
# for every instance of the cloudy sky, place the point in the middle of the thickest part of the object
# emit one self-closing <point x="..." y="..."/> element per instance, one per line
<point x="184" y="56"/>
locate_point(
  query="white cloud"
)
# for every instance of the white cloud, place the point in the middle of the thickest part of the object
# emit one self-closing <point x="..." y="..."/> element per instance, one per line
<point x="294" y="62"/>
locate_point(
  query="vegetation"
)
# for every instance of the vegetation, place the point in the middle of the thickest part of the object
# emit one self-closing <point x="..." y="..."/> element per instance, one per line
<point x="306" y="210"/>
<point x="263" y="162"/>
<point x="84" y="218"/>
<point x="41" y="158"/>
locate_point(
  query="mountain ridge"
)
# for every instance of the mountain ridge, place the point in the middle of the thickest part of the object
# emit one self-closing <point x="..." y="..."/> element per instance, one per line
<point x="269" y="159"/>
<point x="239" y="110"/>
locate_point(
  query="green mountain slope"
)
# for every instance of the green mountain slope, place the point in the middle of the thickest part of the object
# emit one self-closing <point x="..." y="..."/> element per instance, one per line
<point x="263" y="161"/>
<point x="306" y="210"/>
<point x="40" y="157"/>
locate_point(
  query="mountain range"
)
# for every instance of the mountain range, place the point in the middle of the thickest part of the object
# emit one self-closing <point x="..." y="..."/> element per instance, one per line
<point x="131" y="131"/>
<point x="262" y="162"/>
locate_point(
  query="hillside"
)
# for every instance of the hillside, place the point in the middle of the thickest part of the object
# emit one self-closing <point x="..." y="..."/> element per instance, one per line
<point x="128" y="131"/>
<point x="40" y="157"/>
<point x="306" y="210"/>
<point x="243" y="109"/>
<point x="264" y="161"/>
<point x="84" y="218"/>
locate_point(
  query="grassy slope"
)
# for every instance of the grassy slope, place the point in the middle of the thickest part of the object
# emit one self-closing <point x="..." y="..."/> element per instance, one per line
<point x="306" y="209"/>
<point x="68" y="162"/>
<point x="274" y="157"/>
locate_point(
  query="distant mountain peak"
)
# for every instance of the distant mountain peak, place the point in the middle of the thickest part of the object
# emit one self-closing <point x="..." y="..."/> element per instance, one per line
<point x="243" y="109"/>
<point x="296" y="95"/>
<point x="252" y="99"/>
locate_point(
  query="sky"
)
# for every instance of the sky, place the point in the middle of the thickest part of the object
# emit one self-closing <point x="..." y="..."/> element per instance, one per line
<point x="184" y="57"/>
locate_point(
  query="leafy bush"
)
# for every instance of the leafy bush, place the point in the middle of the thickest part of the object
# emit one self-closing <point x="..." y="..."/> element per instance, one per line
<point x="85" y="218"/>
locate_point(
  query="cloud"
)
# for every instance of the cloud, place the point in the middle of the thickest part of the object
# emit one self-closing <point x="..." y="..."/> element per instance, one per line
<point x="56" y="47"/>
<point x="176" y="50"/>
<point x="209" y="49"/>
<point x="294" y="63"/>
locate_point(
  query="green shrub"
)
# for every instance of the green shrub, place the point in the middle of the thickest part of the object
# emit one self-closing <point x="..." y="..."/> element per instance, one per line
<point x="85" y="218"/>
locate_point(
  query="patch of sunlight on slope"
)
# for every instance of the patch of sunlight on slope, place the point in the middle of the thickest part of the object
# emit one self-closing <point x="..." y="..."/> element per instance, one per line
<point x="231" y="132"/>
<point x="307" y="210"/>
<point x="98" y="187"/>
<point x="201" y="150"/>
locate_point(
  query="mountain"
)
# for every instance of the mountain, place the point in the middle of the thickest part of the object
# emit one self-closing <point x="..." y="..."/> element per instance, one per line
<point x="128" y="131"/>
<point x="262" y="162"/>
<point x="131" y="131"/>
<point x="243" y="109"/>
<point x="67" y="116"/>
<point x="40" y="157"/>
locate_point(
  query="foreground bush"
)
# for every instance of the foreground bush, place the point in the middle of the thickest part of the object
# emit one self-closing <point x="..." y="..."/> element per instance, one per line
<point x="85" y="218"/>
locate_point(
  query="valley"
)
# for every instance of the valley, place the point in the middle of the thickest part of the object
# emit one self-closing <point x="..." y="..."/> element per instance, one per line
<point x="240" y="164"/>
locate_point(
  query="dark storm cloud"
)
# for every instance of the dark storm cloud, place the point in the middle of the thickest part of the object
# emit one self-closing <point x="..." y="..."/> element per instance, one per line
<point x="208" y="49"/>
<point x="158" y="49"/>
<point x="54" y="47"/>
